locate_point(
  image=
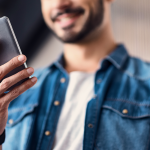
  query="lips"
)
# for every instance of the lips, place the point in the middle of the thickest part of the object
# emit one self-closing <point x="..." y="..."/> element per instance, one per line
<point x="67" y="20"/>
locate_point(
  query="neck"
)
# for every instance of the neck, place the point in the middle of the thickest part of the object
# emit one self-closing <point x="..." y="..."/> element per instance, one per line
<point x="86" y="56"/>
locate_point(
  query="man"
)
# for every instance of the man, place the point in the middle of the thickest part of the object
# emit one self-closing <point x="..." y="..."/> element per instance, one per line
<point x="95" y="97"/>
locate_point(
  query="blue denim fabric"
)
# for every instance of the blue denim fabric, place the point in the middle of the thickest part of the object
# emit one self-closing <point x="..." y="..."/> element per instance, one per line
<point x="117" y="117"/>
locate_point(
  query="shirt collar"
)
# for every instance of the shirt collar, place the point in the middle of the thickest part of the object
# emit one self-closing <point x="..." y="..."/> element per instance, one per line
<point x="117" y="57"/>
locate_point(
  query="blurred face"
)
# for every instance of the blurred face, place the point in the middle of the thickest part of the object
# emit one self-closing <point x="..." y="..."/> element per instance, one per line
<point x="73" y="20"/>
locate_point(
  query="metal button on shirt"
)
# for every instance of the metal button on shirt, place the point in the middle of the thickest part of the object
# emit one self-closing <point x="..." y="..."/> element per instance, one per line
<point x="98" y="81"/>
<point x="56" y="103"/>
<point x="47" y="133"/>
<point x="94" y="96"/>
<point x="62" y="80"/>
<point x="125" y="111"/>
<point x="11" y="121"/>
<point x="90" y="125"/>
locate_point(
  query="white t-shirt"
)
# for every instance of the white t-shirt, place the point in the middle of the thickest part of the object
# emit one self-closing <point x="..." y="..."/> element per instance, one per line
<point x="70" y="129"/>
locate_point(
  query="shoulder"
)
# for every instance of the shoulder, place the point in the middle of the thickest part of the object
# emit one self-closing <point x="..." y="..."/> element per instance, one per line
<point x="131" y="83"/>
<point x="137" y="68"/>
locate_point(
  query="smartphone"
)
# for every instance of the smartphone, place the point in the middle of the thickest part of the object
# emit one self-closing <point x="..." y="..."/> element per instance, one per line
<point x="9" y="48"/>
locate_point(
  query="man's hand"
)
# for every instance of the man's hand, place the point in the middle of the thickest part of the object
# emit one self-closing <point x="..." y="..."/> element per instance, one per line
<point x="5" y="99"/>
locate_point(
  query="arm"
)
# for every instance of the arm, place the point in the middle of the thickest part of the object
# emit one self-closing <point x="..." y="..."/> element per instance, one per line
<point x="0" y="147"/>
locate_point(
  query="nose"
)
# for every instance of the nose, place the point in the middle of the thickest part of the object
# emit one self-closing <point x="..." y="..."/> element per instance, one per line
<point x="61" y="4"/>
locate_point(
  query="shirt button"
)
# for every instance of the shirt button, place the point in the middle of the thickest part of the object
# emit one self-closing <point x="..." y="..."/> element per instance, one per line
<point x="98" y="81"/>
<point x="56" y="103"/>
<point x="90" y="125"/>
<point x="62" y="80"/>
<point x="94" y="96"/>
<point x="11" y="121"/>
<point x="47" y="133"/>
<point x="125" y="111"/>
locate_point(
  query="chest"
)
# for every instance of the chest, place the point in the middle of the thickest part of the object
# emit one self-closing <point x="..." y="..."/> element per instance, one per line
<point x="117" y="117"/>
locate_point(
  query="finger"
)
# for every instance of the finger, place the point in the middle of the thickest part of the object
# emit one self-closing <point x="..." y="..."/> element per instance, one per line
<point x="12" y="80"/>
<point x="12" y="64"/>
<point x="7" y="98"/>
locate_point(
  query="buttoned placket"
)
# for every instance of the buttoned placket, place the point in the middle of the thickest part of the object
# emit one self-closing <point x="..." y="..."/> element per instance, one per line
<point x="52" y="120"/>
<point x="93" y="113"/>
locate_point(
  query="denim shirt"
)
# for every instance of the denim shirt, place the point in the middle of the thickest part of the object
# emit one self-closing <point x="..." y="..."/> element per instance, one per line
<point x="117" y="117"/>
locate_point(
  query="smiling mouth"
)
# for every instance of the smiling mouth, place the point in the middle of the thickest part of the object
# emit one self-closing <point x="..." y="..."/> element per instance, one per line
<point x="66" y="21"/>
<point x="67" y="18"/>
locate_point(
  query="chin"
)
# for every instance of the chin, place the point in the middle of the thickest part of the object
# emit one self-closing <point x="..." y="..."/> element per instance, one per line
<point x="68" y="37"/>
<point x="71" y="39"/>
<point x="71" y="34"/>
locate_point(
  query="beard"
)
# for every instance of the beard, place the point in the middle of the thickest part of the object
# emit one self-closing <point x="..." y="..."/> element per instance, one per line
<point x="94" y="21"/>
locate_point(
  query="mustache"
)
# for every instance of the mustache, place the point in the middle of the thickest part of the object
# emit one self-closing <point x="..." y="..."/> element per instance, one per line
<point x="67" y="11"/>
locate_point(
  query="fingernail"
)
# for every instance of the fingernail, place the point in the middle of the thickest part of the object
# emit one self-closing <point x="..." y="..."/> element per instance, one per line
<point x="21" y="58"/>
<point x="30" y="71"/>
<point x="34" y="79"/>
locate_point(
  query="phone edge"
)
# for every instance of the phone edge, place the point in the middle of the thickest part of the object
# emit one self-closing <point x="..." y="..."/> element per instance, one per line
<point x="15" y="38"/>
<point x="13" y="33"/>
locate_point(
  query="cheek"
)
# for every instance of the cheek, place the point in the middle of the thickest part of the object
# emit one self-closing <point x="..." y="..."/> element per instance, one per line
<point x="92" y="5"/>
<point x="46" y="9"/>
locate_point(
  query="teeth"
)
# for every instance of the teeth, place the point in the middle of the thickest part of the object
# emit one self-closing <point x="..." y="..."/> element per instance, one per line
<point x="65" y="19"/>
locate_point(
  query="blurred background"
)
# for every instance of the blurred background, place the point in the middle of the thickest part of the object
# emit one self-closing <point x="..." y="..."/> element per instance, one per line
<point x="130" y="19"/>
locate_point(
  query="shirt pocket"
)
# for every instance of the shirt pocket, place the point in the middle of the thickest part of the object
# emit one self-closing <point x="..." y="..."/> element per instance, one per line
<point x="123" y="125"/>
<point x="18" y="128"/>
